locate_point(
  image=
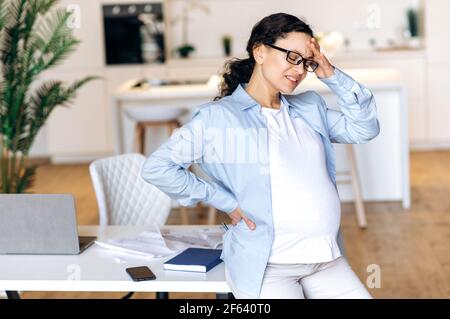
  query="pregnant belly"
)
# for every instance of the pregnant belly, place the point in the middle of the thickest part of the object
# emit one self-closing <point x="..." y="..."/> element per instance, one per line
<point x="307" y="214"/>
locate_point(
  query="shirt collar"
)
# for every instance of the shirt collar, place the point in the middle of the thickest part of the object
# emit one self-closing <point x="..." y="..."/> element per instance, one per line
<point x="246" y="101"/>
<point x="243" y="98"/>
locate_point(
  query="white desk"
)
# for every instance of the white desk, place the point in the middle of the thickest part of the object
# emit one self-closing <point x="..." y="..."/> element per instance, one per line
<point x="383" y="163"/>
<point x="97" y="269"/>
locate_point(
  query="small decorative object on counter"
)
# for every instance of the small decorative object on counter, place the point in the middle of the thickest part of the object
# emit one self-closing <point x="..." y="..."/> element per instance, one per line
<point x="413" y="22"/>
<point x="413" y="28"/>
<point x="226" y="42"/>
<point x="185" y="50"/>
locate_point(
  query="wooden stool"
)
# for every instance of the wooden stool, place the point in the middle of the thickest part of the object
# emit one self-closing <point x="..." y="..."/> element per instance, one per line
<point x="140" y="142"/>
<point x="141" y="128"/>
<point x="155" y="116"/>
<point x="212" y="211"/>
<point x="354" y="180"/>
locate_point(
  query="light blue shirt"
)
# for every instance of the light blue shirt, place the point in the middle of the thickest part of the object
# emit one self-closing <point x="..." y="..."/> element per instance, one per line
<point x="228" y="140"/>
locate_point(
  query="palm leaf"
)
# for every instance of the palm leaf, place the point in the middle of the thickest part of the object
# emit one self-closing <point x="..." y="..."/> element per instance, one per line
<point x="48" y="96"/>
<point x="3" y="14"/>
<point x="59" y="41"/>
<point x="34" y="36"/>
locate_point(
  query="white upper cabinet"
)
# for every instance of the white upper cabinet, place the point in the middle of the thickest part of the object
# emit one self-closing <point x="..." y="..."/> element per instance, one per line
<point x="437" y="30"/>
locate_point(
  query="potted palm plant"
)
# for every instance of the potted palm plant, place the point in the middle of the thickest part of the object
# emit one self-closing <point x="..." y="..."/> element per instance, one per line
<point x="34" y="37"/>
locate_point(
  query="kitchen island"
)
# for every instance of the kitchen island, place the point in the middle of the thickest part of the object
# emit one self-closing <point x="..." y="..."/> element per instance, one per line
<point x="383" y="163"/>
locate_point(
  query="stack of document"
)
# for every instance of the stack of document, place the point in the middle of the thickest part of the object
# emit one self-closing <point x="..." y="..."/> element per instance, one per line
<point x="158" y="243"/>
<point x="194" y="237"/>
<point x="148" y="243"/>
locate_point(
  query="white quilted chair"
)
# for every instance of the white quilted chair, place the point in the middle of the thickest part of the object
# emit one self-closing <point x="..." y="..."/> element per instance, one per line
<point x="123" y="197"/>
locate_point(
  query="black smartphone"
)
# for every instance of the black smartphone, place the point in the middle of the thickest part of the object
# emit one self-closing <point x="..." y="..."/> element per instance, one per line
<point x="141" y="273"/>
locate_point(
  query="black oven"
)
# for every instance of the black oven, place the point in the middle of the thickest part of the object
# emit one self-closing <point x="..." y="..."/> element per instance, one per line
<point x="134" y="33"/>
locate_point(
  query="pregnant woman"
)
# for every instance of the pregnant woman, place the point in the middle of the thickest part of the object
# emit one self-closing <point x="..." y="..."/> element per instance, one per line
<point x="271" y="164"/>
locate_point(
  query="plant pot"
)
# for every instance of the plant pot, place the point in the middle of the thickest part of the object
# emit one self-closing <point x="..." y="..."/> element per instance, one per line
<point x="185" y="50"/>
<point x="414" y="42"/>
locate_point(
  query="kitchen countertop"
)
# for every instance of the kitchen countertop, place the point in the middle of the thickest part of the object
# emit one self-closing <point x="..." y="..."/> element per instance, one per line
<point x="343" y="54"/>
<point x="370" y="77"/>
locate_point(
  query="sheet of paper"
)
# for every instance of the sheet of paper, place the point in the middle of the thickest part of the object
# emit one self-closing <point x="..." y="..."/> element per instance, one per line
<point x="148" y="243"/>
<point x="200" y="238"/>
<point x="157" y="242"/>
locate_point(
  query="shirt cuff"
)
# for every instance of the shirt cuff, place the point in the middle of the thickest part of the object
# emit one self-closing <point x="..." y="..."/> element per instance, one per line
<point x="223" y="200"/>
<point x="340" y="83"/>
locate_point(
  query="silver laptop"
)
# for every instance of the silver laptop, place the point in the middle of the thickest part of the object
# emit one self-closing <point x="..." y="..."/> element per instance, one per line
<point x="40" y="224"/>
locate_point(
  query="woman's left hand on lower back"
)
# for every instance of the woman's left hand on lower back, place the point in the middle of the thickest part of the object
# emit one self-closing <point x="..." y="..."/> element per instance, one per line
<point x="237" y="215"/>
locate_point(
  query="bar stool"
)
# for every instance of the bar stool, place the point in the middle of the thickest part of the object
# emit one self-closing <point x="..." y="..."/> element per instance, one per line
<point x="212" y="211"/>
<point x="151" y="117"/>
<point x="352" y="176"/>
<point x="160" y="116"/>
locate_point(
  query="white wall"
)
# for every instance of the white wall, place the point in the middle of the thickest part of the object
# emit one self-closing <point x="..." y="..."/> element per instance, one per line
<point x="438" y="68"/>
<point x="237" y="18"/>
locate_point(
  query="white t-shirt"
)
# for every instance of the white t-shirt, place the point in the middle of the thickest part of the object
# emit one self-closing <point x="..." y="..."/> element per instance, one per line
<point x="305" y="204"/>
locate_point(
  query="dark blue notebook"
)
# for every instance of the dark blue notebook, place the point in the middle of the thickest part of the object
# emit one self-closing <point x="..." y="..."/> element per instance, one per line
<point x="195" y="259"/>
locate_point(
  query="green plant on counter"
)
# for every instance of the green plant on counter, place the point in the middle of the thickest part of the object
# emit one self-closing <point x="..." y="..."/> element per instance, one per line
<point x="185" y="50"/>
<point x="226" y="42"/>
<point x="413" y="22"/>
<point x="34" y="36"/>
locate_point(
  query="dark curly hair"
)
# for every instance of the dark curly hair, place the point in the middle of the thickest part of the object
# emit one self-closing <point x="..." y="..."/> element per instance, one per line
<point x="268" y="30"/>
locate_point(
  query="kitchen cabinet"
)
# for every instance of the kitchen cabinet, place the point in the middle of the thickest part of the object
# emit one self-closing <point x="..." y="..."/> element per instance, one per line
<point x="439" y="102"/>
<point x="437" y="26"/>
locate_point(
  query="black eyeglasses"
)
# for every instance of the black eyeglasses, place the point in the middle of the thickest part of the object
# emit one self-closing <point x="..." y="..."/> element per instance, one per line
<point x="295" y="58"/>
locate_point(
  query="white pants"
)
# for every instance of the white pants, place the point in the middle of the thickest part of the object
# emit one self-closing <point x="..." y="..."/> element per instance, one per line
<point x="334" y="279"/>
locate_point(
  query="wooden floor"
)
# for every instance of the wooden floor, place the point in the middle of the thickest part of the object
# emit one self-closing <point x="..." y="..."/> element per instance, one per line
<point x="412" y="248"/>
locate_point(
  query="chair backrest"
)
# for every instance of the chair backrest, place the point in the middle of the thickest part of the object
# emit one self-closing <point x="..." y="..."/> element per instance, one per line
<point x="123" y="196"/>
